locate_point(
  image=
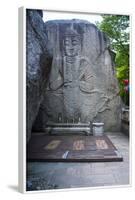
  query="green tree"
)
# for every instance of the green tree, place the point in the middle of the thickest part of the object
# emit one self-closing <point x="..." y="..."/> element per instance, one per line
<point x="117" y="29"/>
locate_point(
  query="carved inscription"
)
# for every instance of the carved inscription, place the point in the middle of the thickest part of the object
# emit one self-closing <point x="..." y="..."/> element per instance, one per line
<point x="79" y="145"/>
<point x="101" y="144"/>
<point x="52" y="145"/>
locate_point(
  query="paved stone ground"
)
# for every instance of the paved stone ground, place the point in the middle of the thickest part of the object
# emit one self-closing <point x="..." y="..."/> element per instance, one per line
<point x="44" y="176"/>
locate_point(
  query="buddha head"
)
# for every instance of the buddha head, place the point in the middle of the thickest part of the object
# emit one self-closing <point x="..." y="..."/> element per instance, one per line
<point x="71" y="43"/>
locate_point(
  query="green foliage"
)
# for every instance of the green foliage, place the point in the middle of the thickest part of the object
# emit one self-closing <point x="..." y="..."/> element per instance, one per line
<point x="122" y="73"/>
<point x="117" y="29"/>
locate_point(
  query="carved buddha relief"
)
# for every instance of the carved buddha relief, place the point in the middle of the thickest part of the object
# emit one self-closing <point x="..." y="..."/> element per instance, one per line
<point x="75" y="67"/>
<point x="79" y="85"/>
<point x="74" y="76"/>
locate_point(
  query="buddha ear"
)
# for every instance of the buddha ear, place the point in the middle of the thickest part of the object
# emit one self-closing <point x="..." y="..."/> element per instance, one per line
<point x="63" y="44"/>
<point x="63" y="49"/>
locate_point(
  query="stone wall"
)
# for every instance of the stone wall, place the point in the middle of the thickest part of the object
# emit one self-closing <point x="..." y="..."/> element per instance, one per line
<point x="38" y="65"/>
<point x="125" y="121"/>
<point x="82" y="82"/>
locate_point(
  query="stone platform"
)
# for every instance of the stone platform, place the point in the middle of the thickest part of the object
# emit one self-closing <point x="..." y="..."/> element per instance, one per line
<point x="72" y="148"/>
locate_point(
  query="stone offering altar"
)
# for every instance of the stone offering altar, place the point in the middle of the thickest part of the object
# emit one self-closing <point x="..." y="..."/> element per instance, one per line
<point x="67" y="128"/>
<point x="82" y="83"/>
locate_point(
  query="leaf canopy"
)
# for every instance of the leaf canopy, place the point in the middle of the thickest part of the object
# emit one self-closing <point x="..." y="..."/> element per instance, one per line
<point x="117" y="29"/>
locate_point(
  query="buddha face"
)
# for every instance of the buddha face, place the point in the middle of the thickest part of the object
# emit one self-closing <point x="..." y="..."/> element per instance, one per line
<point x="72" y="45"/>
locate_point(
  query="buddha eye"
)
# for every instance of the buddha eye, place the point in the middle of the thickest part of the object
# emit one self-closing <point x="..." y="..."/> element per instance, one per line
<point x="67" y="42"/>
<point x="74" y="42"/>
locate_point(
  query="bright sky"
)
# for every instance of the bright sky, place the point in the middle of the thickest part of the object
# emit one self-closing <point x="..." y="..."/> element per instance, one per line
<point x="51" y="15"/>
